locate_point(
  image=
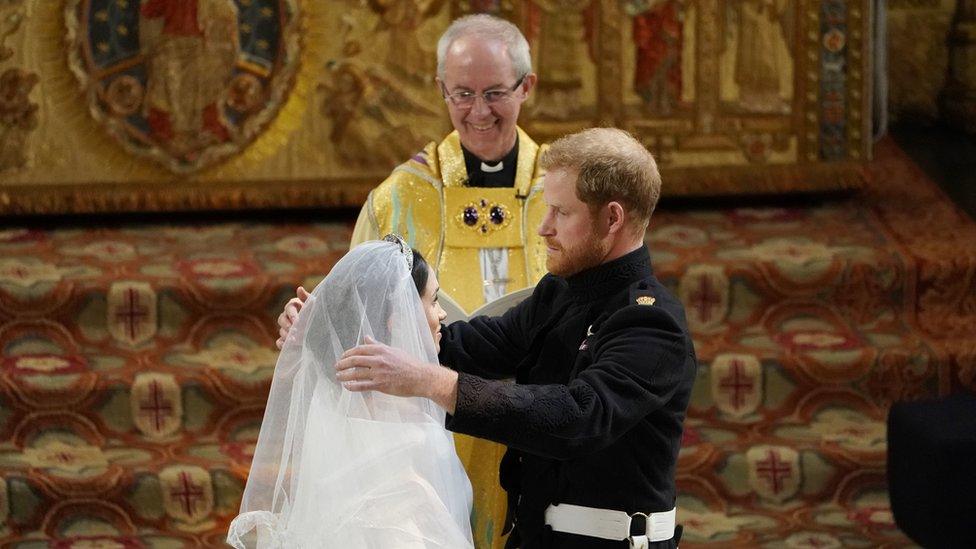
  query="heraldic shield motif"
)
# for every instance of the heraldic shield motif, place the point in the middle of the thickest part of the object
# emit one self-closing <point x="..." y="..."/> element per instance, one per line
<point x="186" y="82"/>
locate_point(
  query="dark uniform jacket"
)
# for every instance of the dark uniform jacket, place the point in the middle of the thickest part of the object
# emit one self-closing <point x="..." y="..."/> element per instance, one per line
<point x="604" y="365"/>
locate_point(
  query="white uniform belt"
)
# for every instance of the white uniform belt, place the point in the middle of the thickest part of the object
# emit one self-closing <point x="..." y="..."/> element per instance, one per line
<point x="607" y="523"/>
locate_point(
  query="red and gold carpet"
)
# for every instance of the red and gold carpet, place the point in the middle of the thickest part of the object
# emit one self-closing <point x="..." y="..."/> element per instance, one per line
<point x="135" y="363"/>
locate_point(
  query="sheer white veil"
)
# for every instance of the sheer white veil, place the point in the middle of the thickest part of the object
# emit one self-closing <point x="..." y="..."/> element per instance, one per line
<point x="334" y="468"/>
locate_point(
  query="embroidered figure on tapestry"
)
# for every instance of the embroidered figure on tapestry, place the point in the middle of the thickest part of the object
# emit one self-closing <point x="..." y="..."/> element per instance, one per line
<point x="368" y="102"/>
<point x="563" y="35"/>
<point x="18" y="114"/>
<point x="758" y="58"/>
<point x="658" y="35"/>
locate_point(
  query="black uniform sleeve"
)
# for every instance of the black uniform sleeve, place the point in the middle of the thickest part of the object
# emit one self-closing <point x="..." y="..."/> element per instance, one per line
<point x="640" y="359"/>
<point x="491" y="347"/>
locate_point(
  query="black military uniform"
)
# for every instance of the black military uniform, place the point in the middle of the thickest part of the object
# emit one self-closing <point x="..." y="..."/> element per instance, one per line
<point x="604" y="365"/>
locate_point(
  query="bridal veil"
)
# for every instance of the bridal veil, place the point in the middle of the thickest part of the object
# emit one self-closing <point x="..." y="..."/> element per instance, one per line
<point x="334" y="468"/>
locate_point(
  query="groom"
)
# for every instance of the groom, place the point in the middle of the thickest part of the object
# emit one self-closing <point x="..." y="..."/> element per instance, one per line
<point x="601" y="355"/>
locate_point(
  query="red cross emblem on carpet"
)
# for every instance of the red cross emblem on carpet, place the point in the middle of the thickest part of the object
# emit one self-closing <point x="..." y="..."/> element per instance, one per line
<point x="774" y="471"/>
<point x="704" y="289"/>
<point x="157" y="406"/>
<point x="188" y="496"/>
<point x="132" y="312"/>
<point x="737" y="384"/>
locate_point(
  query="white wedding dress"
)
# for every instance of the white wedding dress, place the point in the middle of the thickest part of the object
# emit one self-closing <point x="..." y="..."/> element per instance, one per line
<point x="338" y="469"/>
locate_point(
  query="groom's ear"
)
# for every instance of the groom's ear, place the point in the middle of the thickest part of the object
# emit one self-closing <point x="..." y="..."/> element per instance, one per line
<point x="616" y="218"/>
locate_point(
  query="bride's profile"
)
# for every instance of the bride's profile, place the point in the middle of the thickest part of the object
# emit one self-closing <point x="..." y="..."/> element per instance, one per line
<point x="344" y="469"/>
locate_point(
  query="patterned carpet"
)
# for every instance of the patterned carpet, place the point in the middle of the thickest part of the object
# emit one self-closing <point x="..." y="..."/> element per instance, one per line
<point x="136" y="361"/>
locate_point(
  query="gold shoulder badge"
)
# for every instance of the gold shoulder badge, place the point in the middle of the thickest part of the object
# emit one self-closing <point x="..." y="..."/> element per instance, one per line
<point x="645" y="300"/>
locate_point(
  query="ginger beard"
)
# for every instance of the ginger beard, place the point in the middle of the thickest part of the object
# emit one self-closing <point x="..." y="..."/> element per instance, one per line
<point x="584" y="253"/>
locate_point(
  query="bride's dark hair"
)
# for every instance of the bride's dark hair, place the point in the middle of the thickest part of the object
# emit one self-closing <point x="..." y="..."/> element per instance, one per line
<point x="420" y="272"/>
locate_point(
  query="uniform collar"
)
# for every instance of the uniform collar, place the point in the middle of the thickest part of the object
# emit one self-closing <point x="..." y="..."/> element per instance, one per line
<point x="609" y="278"/>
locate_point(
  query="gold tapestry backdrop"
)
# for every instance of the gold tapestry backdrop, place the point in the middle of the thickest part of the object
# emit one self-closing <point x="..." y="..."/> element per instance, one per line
<point x="918" y="57"/>
<point x="121" y="105"/>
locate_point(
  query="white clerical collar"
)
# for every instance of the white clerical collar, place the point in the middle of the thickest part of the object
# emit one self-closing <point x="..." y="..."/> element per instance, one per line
<point x="485" y="167"/>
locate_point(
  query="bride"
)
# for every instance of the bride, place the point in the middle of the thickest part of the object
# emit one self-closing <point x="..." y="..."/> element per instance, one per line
<point x="343" y="469"/>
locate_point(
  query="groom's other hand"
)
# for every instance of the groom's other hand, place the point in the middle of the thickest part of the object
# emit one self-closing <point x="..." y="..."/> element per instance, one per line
<point x="288" y="317"/>
<point x="378" y="367"/>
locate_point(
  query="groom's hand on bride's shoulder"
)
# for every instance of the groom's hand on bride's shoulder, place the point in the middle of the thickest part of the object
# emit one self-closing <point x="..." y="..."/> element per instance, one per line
<point x="288" y="316"/>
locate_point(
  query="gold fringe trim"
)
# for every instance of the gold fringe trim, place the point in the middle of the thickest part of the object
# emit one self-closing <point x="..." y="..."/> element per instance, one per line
<point x="351" y="192"/>
<point x="764" y="180"/>
<point x="184" y="196"/>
